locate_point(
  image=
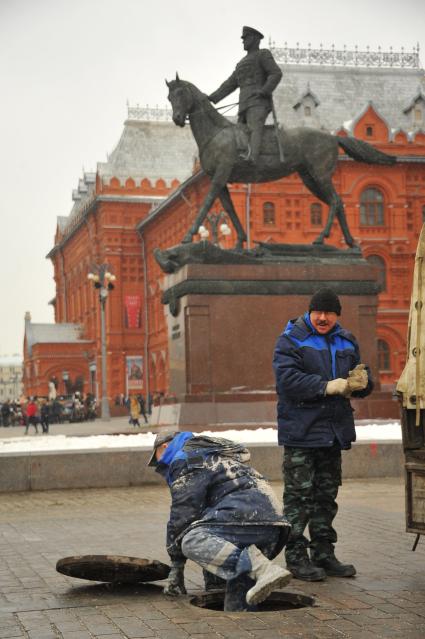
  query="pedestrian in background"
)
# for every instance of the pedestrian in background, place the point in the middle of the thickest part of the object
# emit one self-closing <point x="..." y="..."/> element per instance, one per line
<point x="134" y="411"/>
<point x="5" y="413"/>
<point x="45" y="416"/>
<point x="142" y="405"/>
<point x="32" y="415"/>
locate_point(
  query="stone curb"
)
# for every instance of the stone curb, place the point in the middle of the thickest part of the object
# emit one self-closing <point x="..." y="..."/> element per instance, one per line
<point x="127" y="466"/>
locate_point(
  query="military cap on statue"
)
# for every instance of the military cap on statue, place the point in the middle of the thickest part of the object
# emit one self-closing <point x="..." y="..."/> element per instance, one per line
<point x="250" y="31"/>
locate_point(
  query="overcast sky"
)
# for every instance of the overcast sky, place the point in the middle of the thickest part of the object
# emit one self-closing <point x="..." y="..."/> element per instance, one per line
<point x="68" y="67"/>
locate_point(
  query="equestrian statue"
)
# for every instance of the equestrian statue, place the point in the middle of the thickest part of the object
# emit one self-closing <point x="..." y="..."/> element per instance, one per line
<point x="252" y="152"/>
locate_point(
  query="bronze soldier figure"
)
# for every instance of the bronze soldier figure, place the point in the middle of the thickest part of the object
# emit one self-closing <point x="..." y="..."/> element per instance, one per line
<point x="257" y="75"/>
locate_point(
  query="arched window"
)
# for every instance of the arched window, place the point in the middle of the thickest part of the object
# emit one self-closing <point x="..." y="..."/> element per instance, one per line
<point x="269" y="214"/>
<point x="372" y="208"/>
<point x="377" y="261"/>
<point x="384" y="359"/>
<point x="316" y="214"/>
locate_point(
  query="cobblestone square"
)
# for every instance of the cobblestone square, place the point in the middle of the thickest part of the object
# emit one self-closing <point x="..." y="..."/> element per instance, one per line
<point x="386" y="599"/>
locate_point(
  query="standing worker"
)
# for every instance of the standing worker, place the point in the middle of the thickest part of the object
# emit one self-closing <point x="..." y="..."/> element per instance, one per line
<point x="224" y="516"/>
<point x="317" y="367"/>
<point x="257" y="75"/>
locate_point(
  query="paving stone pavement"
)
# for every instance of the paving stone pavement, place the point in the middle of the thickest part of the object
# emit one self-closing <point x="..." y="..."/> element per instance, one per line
<point x="386" y="599"/>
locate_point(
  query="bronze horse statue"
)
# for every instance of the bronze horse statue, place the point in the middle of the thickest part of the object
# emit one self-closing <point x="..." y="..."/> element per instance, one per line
<point x="311" y="153"/>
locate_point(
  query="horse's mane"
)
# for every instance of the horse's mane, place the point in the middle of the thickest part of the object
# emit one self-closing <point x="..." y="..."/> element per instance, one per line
<point x="203" y="101"/>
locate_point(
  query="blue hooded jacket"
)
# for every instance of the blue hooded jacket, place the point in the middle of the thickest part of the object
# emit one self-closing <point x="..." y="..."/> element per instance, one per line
<point x="211" y="485"/>
<point x="304" y="361"/>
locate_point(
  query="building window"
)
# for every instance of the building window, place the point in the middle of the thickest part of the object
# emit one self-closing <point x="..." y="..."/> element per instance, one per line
<point x="371" y="208"/>
<point x="369" y="131"/>
<point x="377" y="261"/>
<point x="384" y="363"/>
<point x="316" y="214"/>
<point x="269" y="214"/>
<point x="307" y="111"/>
<point x="418" y="115"/>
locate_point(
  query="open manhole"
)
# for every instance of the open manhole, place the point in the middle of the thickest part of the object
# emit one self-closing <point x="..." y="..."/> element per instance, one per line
<point x="275" y="601"/>
<point x="114" y="569"/>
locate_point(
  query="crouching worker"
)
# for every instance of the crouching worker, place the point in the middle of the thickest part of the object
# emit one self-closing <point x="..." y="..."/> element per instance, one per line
<point x="224" y="516"/>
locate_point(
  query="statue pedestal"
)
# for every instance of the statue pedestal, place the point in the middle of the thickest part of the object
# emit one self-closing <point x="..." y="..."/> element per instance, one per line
<point x="223" y="323"/>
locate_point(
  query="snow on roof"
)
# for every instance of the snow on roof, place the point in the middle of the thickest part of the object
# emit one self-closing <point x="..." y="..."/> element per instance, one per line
<point x="61" y="333"/>
<point x="343" y="92"/>
<point x="153" y="150"/>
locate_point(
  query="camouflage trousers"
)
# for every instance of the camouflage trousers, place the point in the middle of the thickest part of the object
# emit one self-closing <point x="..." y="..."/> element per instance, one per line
<point x="312" y="477"/>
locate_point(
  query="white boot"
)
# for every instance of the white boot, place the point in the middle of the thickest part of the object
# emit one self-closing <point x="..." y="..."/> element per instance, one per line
<point x="268" y="576"/>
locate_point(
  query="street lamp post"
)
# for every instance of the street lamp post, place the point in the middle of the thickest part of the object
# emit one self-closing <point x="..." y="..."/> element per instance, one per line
<point x="214" y="219"/>
<point x="103" y="280"/>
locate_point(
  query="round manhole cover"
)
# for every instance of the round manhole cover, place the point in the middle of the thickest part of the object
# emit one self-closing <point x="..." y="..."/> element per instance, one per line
<point x="113" y="568"/>
<point x="275" y="601"/>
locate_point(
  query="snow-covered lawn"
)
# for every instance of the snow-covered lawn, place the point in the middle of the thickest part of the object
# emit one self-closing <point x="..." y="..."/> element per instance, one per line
<point x="370" y="432"/>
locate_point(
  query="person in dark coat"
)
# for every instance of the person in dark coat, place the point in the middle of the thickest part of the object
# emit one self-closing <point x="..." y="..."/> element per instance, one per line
<point x="318" y="368"/>
<point x="45" y="416"/>
<point x="257" y="75"/>
<point x="142" y="405"/>
<point x="5" y="413"/>
<point x="224" y="516"/>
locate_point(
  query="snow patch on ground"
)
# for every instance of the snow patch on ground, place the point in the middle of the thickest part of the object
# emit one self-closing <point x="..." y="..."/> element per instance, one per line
<point x="48" y="443"/>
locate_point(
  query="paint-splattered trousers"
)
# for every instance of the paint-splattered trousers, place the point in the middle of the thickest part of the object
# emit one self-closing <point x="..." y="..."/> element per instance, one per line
<point x="312" y="477"/>
<point x="221" y="550"/>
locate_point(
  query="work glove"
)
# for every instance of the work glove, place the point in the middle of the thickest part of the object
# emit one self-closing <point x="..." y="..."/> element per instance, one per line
<point x="175" y="585"/>
<point x="357" y="378"/>
<point x="337" y="386"/>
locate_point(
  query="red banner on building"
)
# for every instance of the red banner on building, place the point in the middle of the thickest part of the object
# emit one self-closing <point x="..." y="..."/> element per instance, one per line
<point x="133" y="304"/>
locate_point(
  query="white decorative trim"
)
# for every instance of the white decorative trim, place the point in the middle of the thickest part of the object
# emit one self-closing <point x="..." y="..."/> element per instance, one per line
<point x="148" y="113"/>
<point x="347" y="58"/>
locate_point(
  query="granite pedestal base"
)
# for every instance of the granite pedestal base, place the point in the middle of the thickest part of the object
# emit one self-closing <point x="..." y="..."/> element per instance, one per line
<point x="223" y="323"/>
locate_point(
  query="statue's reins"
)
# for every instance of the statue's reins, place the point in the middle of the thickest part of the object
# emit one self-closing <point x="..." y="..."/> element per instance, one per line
<point x="226" y="106"/>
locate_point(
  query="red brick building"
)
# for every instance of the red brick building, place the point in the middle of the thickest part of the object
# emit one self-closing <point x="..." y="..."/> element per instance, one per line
<point x="147" y="193"/>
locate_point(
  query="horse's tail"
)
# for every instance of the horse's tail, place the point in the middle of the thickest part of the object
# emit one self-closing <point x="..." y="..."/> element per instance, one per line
<point x="364" y="152"/>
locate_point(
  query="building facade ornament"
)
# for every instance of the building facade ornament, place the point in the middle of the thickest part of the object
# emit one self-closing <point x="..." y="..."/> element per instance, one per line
<point x="147" y="113"/>
<point x="346" y="57"/>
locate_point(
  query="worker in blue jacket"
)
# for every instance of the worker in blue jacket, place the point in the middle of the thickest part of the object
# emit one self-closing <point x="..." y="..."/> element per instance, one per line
<point x="318" y="368"/>
<point x="224" y="516"/>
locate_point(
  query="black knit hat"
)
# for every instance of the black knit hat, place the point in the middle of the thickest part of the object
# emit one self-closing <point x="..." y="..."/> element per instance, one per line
<point x="325" y="299"/>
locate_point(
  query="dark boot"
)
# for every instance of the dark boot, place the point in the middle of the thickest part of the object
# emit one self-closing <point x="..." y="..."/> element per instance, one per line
<point x="235" y="594"/>
<point x="306" y="571"/>
<point x="213" y="582"/>
<point x="334" y="568"/>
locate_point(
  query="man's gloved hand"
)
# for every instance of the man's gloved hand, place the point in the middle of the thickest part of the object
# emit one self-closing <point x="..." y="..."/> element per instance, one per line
<point x="337" y="386"/>
<point x="357" y="378"/>
<point x="175" y="585"/>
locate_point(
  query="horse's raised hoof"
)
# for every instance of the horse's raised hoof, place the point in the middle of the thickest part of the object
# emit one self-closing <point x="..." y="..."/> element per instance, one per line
<point x="318" y="241"/>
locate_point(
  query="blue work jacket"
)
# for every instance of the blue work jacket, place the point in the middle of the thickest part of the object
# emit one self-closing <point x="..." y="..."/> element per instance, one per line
<point x="211" y="485"/>
<point x="304" y="361"/>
